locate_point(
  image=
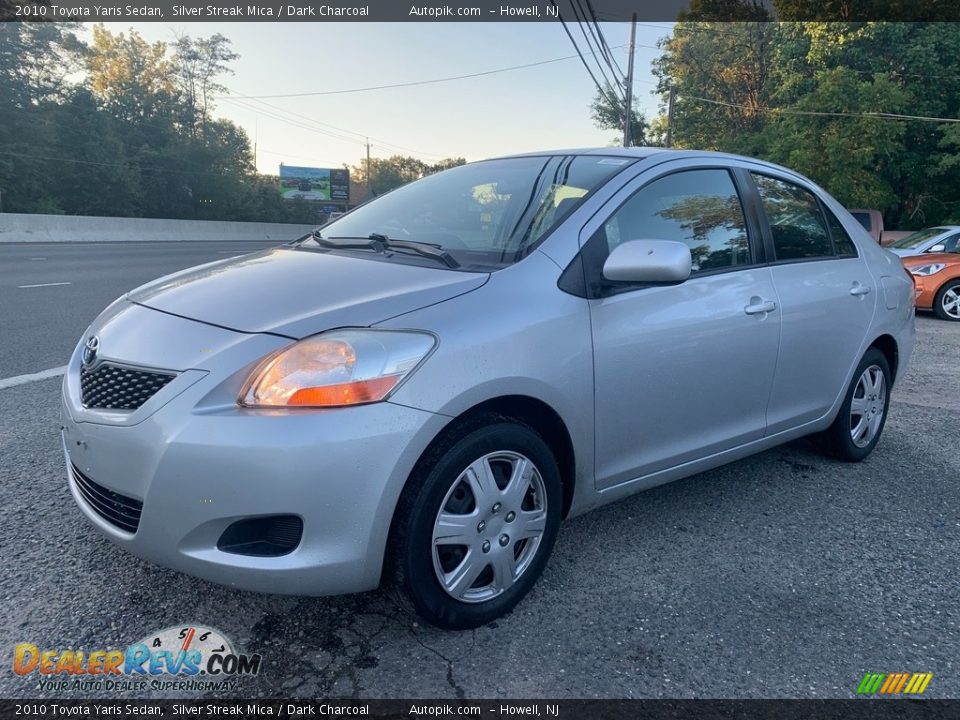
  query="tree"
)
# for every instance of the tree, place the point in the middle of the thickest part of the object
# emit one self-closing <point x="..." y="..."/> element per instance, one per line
<point x="606" y="110"/>
<point x="721" y="72"/>
<point x="130" y="76"/>
<point x="197" y="63"/>
<point x="35" y="60"/>
<point x="811" y="95"/>
<point x="389" y="173"/>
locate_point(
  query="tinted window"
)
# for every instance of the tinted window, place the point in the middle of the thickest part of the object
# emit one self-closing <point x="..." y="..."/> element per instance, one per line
<point x="918" y="238"/>
<point x="698" y="207"/>
<point x="795" y="220"/>
<point x="841" y="240"/>
<point x="952" y="244"/>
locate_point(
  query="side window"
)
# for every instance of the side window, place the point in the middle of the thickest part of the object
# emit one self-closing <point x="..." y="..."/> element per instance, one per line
<point x="698" y="207"/>
<point x="795" y="220"/>
<point x="841" y="240"/>
<point x="952" y="244"/>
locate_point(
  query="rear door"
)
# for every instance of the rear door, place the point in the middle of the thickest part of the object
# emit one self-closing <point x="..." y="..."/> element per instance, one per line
<point x="826" y="297"/>
<point x="681" y="371"/>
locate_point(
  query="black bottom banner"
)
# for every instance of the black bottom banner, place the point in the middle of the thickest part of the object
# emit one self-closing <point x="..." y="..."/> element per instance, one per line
<point x="854" y="709"/>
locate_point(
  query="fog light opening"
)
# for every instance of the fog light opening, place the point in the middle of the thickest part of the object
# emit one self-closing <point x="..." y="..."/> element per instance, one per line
<point x="270" y="536"/>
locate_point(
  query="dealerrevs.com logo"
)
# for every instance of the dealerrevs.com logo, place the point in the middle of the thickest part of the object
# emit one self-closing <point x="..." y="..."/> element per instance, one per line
<point x="188" y="657"/>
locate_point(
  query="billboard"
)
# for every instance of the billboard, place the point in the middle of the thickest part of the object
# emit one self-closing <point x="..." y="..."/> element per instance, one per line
<point x="321" y="184"/>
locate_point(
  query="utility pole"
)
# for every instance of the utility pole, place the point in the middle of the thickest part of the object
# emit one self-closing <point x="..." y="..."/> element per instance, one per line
<point x="670" y="102"/>
<point x="369" y="182"/>
<point x="627" y="130"/>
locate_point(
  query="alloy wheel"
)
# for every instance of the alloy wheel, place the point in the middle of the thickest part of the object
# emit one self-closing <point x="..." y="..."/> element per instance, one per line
<point x="950" y="302"/>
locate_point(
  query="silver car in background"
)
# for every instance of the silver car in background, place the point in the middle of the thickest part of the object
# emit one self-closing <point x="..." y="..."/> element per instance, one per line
<point x="944" y="238"/>
<point x="421" y="390"/>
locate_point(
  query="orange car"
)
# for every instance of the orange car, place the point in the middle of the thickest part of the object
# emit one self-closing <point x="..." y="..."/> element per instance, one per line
<point x="937" y="279"/>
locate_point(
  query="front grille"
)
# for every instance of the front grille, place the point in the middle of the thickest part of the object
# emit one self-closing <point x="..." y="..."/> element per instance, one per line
<point x="112" y="387"/>
<point x="118" y="510"/>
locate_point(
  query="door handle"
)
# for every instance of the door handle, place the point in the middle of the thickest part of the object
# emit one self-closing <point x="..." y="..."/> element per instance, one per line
<point x="759" y="306"/>
<point x="859" y="289"/>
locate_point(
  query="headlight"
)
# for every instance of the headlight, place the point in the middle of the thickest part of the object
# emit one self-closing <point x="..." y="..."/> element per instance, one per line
<point x="342" y="367"/>
<point x="925" y="270"/>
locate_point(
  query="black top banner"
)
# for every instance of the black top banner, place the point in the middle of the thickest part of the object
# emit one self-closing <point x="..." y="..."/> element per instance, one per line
<point x="477" y="10"/>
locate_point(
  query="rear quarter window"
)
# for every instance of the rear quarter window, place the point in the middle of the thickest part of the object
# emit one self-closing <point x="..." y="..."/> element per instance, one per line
<point x="796" y="221"/>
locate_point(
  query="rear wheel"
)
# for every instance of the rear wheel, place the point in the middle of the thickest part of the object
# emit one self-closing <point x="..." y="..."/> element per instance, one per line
<point x="476" y="525"/>
<point x="946" y="305"/>
<point x="860" y="422"/>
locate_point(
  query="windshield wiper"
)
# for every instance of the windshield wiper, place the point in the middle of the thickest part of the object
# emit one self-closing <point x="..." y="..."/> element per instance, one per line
<point x="381" y="243"/>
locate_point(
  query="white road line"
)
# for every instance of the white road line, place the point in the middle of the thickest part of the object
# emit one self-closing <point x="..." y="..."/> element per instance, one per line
<point x="44" y="285"/>
<point x="32" y="377"/>
<point x="38" y="258"/>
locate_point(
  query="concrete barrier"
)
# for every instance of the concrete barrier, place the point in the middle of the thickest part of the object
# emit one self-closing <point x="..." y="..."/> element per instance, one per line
<point x="15" y="227"/>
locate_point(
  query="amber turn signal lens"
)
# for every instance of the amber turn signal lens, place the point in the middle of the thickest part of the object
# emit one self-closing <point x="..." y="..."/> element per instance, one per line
<point x="352" y="393"/>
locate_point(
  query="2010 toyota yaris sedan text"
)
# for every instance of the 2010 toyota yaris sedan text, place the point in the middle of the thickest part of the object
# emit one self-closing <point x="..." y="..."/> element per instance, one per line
<point x="419" y="391"/>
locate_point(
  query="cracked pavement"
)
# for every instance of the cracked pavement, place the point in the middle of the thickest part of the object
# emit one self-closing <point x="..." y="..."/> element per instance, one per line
<point x="782" y="575"/>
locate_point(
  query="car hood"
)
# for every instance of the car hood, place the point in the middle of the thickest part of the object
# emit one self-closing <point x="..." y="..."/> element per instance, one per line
<point x="296" y="293"/>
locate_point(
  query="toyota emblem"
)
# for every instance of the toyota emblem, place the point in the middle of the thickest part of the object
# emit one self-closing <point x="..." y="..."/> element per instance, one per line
<point x="90" y="350"/>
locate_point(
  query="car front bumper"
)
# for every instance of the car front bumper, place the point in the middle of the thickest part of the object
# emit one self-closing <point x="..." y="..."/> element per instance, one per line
<point x="197" y="470"/>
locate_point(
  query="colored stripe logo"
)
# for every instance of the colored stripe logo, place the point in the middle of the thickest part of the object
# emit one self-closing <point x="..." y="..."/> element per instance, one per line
<point x="894" y="683"/>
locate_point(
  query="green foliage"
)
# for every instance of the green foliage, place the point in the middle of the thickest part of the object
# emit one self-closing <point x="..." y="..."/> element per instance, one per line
<point x="607" y="113"/>
<point x="389" y="173"/>
<point x="123" y="127"/>
<point x="809" y="95"/>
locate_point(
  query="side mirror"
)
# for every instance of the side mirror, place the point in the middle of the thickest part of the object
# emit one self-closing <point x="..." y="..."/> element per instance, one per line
<point x="649" y="261"/>
<point x="939" y="247"/>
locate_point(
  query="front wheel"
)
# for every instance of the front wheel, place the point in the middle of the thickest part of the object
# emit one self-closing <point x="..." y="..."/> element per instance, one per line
<point x="946" y="305"/>
<point x="476" y="525"/>
<point x="858" y="425"/>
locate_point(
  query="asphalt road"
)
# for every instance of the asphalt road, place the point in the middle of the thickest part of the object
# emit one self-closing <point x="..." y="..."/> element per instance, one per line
<point x="47" y="317"/>
<point x="783" y="575"/>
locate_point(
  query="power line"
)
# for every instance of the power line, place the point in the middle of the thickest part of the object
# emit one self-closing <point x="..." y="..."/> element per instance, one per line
<point x="309" y="128"/>
<point x="722" y="31"/>
<point x="603" y="40"/>
<point x="407" y="84"/>
<point x="580" y="16"/>
<point x="603" y="90"/>
<point x="380" y="143"/>
<point x="330" y="163"/>
<point x="289" y="121"/>
<point x="784" y="111"/>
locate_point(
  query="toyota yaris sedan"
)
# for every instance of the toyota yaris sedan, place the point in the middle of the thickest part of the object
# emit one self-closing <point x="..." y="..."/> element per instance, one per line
<point x="421" y="390"/>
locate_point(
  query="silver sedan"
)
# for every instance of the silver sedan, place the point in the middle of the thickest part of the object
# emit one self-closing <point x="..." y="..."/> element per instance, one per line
<point x="944" y="238"/>
<point x="421" y="390"/>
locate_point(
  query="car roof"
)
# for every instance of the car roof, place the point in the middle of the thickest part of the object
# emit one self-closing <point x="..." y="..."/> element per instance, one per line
<point x="646" y="153"/>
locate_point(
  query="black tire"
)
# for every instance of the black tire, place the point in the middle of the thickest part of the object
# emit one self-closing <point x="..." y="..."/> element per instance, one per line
<point x="838" y="439"/>
<point x="438" y="475"/>
<point x="938" y="309"/>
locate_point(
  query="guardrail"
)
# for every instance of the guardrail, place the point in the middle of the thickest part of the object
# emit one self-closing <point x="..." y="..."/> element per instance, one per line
<point x="18" y="228"/>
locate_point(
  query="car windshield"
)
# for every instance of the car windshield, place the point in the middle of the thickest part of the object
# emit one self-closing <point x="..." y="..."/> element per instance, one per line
<point x="486" y="214"/>
<point x="917" y="238"/>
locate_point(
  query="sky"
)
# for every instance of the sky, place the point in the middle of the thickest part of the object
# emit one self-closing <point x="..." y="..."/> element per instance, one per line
<point x="536" y="108"/>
